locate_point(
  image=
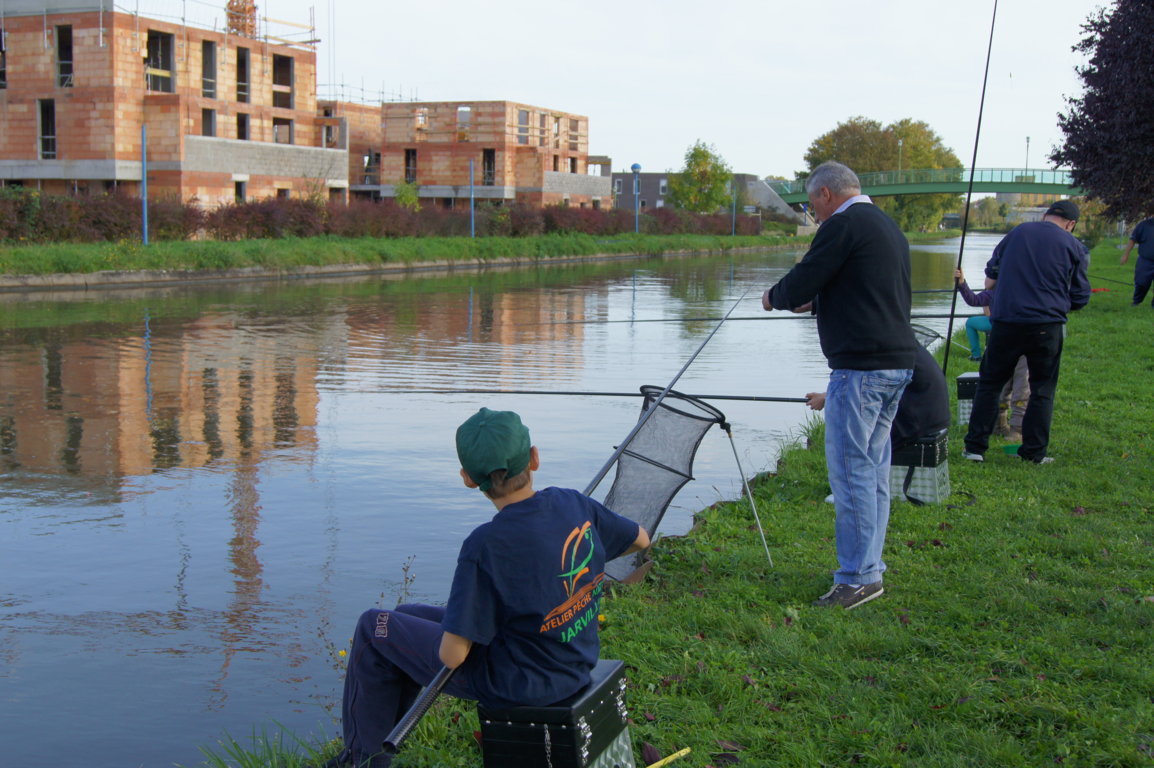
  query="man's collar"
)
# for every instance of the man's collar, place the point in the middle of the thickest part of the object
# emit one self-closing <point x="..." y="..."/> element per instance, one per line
<point x="852" y="201"/>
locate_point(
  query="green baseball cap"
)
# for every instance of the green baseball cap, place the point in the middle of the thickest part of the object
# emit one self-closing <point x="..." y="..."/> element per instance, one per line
<point x="492" y="440"/>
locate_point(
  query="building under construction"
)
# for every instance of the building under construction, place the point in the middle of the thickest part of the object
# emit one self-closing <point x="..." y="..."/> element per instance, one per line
<point x="225" y="111"/>
<point x="225" y="114"/>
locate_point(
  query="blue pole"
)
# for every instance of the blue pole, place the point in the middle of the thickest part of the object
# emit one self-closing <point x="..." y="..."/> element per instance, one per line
<point x="636" y="168"/>
<point x="472" y="213"/>
<point x="144" y="182"/>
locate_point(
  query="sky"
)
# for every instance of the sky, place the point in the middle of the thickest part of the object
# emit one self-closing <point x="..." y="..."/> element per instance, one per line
<point x="758" y="80"/>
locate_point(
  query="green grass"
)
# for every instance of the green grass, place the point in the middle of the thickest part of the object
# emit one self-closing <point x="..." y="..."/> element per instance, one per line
<point x="1015" y="629"/>
<point x="289" y="253"/>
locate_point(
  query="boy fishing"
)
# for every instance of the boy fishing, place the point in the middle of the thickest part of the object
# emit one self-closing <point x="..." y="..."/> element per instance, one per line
<point x="520" y="626"/>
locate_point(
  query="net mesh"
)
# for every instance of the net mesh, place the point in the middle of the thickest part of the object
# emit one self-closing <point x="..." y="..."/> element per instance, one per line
<point x="657" y="463"/>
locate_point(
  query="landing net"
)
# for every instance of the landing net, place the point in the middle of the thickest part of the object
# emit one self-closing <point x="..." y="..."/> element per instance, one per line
<point x="656" y="463"/>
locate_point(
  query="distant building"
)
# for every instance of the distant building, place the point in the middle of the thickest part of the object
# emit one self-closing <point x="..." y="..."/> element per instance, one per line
<point x="519" y="153"/>
<point x="654" y="191"/>
<point x="228" y="116"/>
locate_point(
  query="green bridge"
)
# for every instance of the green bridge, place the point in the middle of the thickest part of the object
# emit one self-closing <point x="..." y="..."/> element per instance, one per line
<point x="948" y="180"/>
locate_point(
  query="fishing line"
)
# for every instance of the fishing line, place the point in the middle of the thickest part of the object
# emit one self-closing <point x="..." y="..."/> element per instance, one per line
<point x="715" y="319"/>
<point x="1108" y="280"/>
<point x="970" y="187"/>
<point x="657" y="402"/>
<point x="750" y="398"/>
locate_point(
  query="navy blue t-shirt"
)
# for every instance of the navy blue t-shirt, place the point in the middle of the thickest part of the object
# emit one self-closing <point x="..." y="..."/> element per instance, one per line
<point x="1143" y="235"/>
<point x="527" y="592"/>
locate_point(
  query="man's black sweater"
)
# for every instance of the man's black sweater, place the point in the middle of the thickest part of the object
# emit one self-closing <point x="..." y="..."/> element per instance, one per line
<point x="857" y="273"/>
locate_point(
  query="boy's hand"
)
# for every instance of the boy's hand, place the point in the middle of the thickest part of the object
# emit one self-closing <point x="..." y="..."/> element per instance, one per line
<point x="959" y="276"/>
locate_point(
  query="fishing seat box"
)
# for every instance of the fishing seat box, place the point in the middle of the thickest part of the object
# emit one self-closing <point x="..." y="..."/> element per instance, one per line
<point x="967" y="386"/>
<point x="926" y="457"/>
<point x="586" y="731"/>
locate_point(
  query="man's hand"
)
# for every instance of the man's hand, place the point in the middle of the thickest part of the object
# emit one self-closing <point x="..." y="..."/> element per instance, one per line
<point x="766" y="304"/>
<point x="815" y="400"/>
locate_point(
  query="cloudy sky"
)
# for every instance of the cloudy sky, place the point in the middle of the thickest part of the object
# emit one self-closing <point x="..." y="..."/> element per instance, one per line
<point x="757" y="79"/>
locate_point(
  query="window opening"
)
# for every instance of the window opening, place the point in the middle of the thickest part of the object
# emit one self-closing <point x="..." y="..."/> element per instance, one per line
<point x="282" y="81"/>
<point x="208" y="122"/>
<point x="240" y="189"/>
<point x="410" y="166"/>
<point x="488" y="167"/>
<point x="556" y="133"/>
<point x="3" y="61"/>
<point x="47" y="129"/>
<point x="574" y="134"/>
<point x="208" y="69"/>
<point x="556" y="163"/>
<point x="64" y="56"/>
<point x="464" y="123"/>
<point x="283" y="194"/>
<point x="522" y="126"/>
<point x="572" y="165"/>
<point x="158" y="62"/>
<point x="543" y="134"/>
<point x="242" y="126"/>
<point x="282" y="130"/>
<point x="242" y="71"/>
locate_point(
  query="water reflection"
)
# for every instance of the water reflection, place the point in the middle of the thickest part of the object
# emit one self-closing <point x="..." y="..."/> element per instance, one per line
<point x="201" y="488"/>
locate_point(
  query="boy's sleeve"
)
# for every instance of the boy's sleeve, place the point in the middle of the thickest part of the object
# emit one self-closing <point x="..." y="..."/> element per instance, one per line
<point x="616" y="532"/>
<point x="472" y="609"/>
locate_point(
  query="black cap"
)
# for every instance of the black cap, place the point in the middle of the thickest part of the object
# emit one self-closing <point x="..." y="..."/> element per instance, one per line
<point x="1064" y="208"/>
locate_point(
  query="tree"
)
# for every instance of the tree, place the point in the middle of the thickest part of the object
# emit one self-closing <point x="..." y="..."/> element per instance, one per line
<point x="1109" y="130"/>
<point x="702" y="186"/>
<point x="866" y="146"/>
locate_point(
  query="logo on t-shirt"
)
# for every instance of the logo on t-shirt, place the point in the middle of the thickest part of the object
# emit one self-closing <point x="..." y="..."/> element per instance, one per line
<point x="579" y="609"/>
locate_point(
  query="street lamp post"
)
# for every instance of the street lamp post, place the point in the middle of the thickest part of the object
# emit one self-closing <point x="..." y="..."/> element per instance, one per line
<point x="636" y="168"/>
<point x="1027" y="153"/>
<point x="899" y="161"/>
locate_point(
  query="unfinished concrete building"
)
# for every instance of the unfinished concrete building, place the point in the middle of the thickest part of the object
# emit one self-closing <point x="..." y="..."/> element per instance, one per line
<point x="519" y="153"/>
<point x="228" y="115"/>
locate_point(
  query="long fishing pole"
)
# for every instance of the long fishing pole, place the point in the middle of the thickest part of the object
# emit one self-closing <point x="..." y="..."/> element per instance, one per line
<point x="970" y="187"/>
<point x="927" y="316"/>
<point x="401" y="731"/>
<point x="579" y="393"/>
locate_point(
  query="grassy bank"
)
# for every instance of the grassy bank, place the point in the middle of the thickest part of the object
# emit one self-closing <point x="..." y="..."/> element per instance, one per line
<point x="292" y="253"/>
<point x="1015" y="629"/>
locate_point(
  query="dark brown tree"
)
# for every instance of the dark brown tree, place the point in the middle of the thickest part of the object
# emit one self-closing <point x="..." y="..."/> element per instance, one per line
<point x="1109" y="129"/>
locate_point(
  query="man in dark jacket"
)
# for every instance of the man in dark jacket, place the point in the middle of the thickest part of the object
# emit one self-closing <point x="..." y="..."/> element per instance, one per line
<point x="856" y="277"/>
<point x="1039" y="269"/>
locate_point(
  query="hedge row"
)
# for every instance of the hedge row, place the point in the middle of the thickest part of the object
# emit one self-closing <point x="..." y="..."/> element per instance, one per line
<point x="28" y="216"/>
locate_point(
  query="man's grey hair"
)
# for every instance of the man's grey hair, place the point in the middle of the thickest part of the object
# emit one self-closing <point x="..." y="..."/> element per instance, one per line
<point x="835" y="177"/>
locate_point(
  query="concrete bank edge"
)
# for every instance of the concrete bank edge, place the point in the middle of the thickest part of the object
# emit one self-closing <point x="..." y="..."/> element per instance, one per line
<point x="150" y="277"/>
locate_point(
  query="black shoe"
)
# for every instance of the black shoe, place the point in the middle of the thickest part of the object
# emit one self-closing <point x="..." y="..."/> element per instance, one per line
<point x="849" y="597"/>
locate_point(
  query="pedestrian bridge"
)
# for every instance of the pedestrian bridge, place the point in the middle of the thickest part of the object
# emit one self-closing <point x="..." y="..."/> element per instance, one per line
<point x="948" y="180"/>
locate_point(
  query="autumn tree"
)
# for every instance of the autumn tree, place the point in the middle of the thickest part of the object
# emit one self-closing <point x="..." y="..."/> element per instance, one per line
<point x="702" y="186"/>
<point x="1109" y="129"/>
<point x="867" y="146"/>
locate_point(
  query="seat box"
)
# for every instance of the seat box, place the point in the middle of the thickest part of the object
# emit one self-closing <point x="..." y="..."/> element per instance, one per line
<point x="967" y="387"/>
<point x="589" y="731"/>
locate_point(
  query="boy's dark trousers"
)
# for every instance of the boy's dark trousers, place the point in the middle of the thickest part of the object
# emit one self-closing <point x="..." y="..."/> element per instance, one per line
<point x="1041" y="344"/>
<point x="394" y="655"/>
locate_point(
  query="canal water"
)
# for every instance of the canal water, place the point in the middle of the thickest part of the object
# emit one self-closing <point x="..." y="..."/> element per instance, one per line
<point x="202" y="487"/>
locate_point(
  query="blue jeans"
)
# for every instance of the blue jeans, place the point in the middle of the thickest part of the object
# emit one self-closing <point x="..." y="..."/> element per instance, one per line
<point x="859" y="410"/>
<point x="974" y="326"/>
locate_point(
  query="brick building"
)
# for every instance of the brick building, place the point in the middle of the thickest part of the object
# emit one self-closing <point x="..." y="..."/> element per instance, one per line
<point x="520" y="153"/>
<point x="228" y="116"/>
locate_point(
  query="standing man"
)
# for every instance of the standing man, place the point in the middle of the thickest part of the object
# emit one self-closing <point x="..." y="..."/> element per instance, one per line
<point x="1143" y="237"/>
<point x="1039" y="269"/>
<point x="856" y="278"/>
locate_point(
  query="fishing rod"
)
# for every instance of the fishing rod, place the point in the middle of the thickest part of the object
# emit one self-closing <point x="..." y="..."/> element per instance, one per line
<point x="749" y="398"/>
<point x="404" y="728"/>
<point x="1109" y="280"/>
<point x="715" y="319"/>
<point x="970" y="187"/>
